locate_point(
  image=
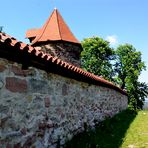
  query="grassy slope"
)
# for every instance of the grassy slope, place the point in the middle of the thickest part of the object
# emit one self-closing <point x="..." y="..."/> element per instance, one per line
<point x="126" y="129"/>
<point x="137" y="134"/>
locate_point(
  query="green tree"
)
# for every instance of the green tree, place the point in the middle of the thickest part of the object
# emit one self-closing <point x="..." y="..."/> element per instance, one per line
<point x="128" y="67"/>
<point x="96" y="57"/>
<point x="122" y="67"/>
<point x="137" y="95"/>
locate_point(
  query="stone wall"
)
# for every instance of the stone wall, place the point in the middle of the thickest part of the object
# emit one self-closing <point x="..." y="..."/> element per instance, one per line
<point x="68" y="52"/>
<point x="39" y="109"/>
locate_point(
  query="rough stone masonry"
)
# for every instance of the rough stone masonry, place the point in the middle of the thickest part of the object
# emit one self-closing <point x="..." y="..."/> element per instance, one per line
<point x="40" y="109"/>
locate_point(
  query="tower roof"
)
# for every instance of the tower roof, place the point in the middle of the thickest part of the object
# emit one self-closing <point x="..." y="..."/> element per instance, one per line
<point x="55" y="29"/>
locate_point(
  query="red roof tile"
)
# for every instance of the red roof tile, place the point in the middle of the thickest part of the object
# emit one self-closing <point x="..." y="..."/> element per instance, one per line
<point x="54" y="29"/>
<point x="32" y="33"/>
<point x="4" y="39"/>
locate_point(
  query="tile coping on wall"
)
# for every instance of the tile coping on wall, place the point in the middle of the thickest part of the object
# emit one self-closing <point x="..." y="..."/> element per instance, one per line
<point x="9" y="41"/>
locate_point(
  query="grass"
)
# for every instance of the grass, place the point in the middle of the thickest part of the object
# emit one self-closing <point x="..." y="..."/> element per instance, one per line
<point x="137" y="134"/>
<point x="128" y="129"/>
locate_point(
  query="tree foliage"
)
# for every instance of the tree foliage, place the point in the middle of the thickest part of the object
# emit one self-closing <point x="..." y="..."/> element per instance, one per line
<point x="128" y="67"/>
<point x="122" y="66"/>
<point x="96" y="57"/>
<point x="137" y="95"/>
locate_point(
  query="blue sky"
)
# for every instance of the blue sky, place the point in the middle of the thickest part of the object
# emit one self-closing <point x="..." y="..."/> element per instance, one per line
<point x="120" y="21"/>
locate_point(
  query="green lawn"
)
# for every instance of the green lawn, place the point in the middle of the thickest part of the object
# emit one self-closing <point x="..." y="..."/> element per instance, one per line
<point x="137" y="134"/>
<point x="126" y="130"/>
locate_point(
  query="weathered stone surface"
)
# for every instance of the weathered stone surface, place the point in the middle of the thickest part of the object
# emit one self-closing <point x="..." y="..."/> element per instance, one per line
<point x="41" y="109"/>
<point x="64" y="90"/>
<point x="1" y="84"/>
<point x="4" y="108"/>
<point x="68" y="52"/>
<point x="47" y="101"/>
<point x="14" y="84"/>
<point x="37" y="85"/>
<point x="2" y="68"/>
<point x="23" y="131"/>
<point x="18" y="71"/>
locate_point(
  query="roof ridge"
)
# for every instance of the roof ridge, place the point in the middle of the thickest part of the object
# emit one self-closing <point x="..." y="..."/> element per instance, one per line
<point x="58" y="23"/>
<point x="44" y="28"/>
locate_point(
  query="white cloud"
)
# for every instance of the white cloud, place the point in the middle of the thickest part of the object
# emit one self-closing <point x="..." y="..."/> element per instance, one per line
<point x="112" y="39"/>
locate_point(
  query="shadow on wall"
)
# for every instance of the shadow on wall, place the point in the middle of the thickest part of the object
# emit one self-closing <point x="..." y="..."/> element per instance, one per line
<point x="108" y="134"/>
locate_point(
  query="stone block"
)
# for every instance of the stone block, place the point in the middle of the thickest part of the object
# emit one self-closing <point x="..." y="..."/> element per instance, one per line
<point x="30" y="140"/>
<point x="42" y="125"/>
<point x="47" y="101"/>
<point x="37" y="85"/>
<point x="14" y="84"/>
<point x="50" y="124"/>
<point x="17" y="145"/>
<point x="64" y="90"/>
<point x="23" y="131"/>
<point x="18" y="71"/>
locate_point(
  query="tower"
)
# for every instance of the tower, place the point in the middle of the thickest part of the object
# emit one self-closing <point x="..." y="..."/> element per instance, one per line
<point x="55" y="38"/>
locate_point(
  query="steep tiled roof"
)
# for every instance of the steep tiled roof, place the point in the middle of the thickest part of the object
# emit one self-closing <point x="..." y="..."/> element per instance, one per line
<point x="56" y="65"/>
<point x="32" y="33"/>
<point x="54" y="29"/>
